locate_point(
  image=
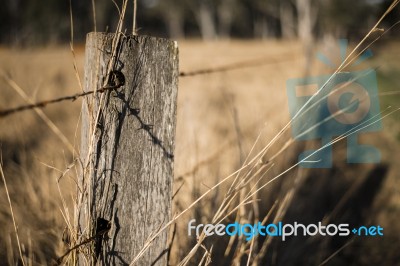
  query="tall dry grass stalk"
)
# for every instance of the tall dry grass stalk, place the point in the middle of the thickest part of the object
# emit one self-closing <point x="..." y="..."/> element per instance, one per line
<point x="12" y="214"/>
<point x="82" y="236"/>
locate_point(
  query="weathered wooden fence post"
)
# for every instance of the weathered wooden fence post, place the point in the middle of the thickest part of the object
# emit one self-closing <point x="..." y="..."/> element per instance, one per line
<point x="127" y="147"/>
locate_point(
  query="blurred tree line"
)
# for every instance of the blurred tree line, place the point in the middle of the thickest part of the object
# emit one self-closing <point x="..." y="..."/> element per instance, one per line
<point x="31" y="22"/>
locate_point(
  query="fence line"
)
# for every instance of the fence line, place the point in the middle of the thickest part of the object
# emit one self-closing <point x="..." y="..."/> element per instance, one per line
<point x="235" y="66"/>
<point x="119" y="83"/>
<point x="43" y="104"/>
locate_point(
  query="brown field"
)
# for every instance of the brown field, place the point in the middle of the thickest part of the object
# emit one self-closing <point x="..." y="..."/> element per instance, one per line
<point x="220" y="116"/>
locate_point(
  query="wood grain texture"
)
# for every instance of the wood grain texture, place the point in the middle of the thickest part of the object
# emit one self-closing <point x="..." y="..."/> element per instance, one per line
<point x="128" y="167"/>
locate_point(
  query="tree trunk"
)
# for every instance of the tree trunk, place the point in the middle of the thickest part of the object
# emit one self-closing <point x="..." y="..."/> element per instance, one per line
<point x="175" y="23"/>
<point x="306" y="15"/>
<point x="225" y="18"/>
<point x="206" y="21"/>
<point x="287" y="20"/>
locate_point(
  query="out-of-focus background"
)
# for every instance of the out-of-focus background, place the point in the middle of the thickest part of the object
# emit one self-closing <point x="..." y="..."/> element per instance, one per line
<point x="27" y="22"/>
<point x="220" y="116"/>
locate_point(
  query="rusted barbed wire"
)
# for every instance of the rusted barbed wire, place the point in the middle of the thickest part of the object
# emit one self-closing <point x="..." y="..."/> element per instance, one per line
<point x="234" y="66"/>
<point x="229" y="67"/>
<point x="42" y="104"/>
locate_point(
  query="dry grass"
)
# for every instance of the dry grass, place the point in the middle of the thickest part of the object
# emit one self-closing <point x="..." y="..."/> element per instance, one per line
<point x="219" y="118"/>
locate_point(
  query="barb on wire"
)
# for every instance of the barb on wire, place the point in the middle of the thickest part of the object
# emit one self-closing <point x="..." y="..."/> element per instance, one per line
<point x="42" y="104"/>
